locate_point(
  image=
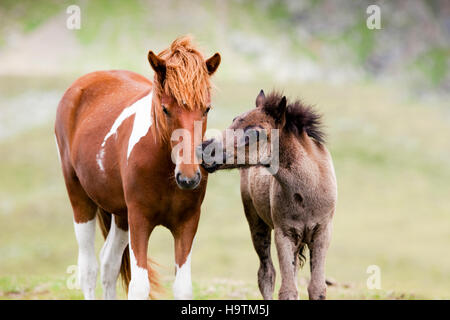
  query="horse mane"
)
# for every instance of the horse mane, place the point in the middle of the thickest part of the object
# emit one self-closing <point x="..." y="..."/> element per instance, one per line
<point x="186" y="79"/>
<point x="299" y="116"/>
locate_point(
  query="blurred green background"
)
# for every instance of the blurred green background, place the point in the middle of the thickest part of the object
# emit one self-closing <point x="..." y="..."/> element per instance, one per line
<point x="383" y="93"/>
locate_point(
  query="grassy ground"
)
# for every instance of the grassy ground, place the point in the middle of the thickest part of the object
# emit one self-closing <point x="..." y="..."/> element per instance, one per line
<point x="392" y="159"/>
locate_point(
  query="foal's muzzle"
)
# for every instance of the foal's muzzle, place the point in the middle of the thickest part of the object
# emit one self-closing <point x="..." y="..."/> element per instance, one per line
<point x="207" y="164"/>
<point x="188" y="183"/>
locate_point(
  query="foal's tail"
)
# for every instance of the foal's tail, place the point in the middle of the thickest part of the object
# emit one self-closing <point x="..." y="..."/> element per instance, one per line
<point x="302" y="255"/>
<point x="104" y="220"/>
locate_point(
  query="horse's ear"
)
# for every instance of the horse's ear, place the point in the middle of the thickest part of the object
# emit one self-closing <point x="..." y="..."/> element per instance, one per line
<point x="213" y="63"/>
<point x="260" y="99"/>
<point x="158" y="65"/>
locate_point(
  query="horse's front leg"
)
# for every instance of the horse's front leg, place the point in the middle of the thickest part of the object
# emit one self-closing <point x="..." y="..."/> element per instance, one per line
<point x="184" y="236"/>
<point x="317" y="288"/>
<point x="139" y="232"/>
<point x="288" y="258"/>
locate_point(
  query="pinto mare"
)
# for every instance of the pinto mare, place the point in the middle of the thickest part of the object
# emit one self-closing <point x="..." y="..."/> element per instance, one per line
<point x="113" y="132"/>
<point x="296" y="199"/>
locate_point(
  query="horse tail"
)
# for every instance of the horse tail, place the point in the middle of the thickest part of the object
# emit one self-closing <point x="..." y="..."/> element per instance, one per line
<point x="104" y="219"/>
<point x="153" y="277"/>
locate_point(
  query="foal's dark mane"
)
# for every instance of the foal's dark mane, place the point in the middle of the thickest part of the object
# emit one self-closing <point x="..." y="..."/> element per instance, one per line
<point x="299" y="116"/>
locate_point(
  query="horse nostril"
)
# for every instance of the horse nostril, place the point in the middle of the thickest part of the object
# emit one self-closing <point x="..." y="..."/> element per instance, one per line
<point x="188" y="183"/>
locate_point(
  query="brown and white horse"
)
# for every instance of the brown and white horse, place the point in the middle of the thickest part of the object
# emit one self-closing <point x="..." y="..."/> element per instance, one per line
<point x="113" y="131"/>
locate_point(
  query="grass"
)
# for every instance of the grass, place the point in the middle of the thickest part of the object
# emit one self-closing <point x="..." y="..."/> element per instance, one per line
<point x="51" y="288"/>
<point x="392" y="154"/>
<point x="392" y="163"/>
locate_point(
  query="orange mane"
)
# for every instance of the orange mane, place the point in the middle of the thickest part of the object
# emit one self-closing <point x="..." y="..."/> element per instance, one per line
<point x="186" y="80"/>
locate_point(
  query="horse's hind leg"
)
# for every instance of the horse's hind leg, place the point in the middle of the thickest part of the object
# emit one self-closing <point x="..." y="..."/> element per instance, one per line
<point x="318" y="247"/>
<point x="261" y="238"/>
<point x="111" y="255"/>
<point x="84" y="212"/>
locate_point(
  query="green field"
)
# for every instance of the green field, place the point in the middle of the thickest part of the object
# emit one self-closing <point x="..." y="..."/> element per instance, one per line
<point x="392" y="163"/>
<point x="382" y="94"/>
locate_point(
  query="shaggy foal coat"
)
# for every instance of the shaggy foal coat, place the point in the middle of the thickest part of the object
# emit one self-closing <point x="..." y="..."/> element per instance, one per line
<point x="297" y="202"/>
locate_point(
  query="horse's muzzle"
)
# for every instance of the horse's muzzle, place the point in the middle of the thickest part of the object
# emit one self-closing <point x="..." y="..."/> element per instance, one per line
<point x="186" y="183"/>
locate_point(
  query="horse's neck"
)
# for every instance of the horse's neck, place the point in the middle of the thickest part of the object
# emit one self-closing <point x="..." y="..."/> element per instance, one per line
<point x="163" y="149"/>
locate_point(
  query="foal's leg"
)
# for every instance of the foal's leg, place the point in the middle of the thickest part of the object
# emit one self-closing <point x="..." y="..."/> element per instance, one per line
<point x="317" y="288"/>
<point x="184" y="236"/>
<point x="261" y="238"/>
<point x="139" y="232"/>
<point x="287" y="256"/>
<point x="111" y="256"/>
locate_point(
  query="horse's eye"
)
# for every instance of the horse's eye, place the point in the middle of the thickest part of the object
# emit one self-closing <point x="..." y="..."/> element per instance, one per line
<point x="165" y="110"/>
<point x="206" y="111"/>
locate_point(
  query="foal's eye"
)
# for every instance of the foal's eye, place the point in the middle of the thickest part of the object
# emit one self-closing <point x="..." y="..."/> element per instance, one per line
<point x="165" y="110"/>
<point x="207" y="110"/>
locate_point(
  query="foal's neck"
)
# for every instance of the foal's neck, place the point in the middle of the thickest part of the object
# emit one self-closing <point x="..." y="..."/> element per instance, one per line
<point x="291" y="153"/>
<point x="288" y="150"/>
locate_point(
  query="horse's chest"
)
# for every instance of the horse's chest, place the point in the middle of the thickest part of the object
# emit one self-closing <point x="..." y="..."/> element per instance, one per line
<point x="170" y="206"/>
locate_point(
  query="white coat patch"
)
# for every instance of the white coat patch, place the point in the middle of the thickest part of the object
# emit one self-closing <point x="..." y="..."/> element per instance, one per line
<point x="139" y="287"/>
<point x="182" y="287"/>
<point x="87" y="262"/>
<point x="99" y="157"/>
<point x="111" y="258"/>
<point x="142" y="123"/>
<point x="57" y="149"/>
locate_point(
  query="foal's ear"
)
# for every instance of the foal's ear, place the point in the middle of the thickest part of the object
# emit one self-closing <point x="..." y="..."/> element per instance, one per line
<point x="281" y="112"/>
<point x="213" y="63"/>
<point x="282" y="105"/>
<point x="158" y="65"/>
<point x="260" y="99"/>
